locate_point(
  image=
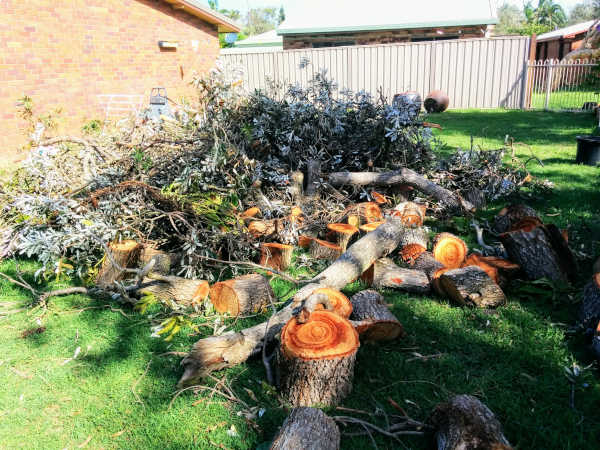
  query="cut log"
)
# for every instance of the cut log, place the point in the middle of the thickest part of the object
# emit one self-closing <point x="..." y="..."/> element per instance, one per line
<point x="368" y="227"/>
<point x="227" y="350"/>
<point x="325" y="250"/>
<point x="411" y="214"/>
<point x="561" y="247"/>
<point x="405" y="176"/>
<point x="533" y="251"/>
<point x="527" y="224"/>
<point x="466" y="423"/>
<point x="181" y="291"/>
<point x="378" y="198"/>
<point x="343" y="232"/>
<point x="471" y="286"/>
<point x="316" y="360"/>
<point x="262" y="228"/>
<point x="162" y="261"/>
<point x="589" y="310"/>
<point x="506" y="268"/>
<point x="415" y="236"/>
<point x="411" y="252"/>
<point x="296" y="188"/>
<point x="307" y="429"/>
<point x="436" y="283"/>
<point x="476" y="260"/>
<point x="383" y="273"/>
<point x="247" y="294"/>
<point x="428" y="264"/>
<point x="476" y="197"/>
<point x="340" y="304"/>
<point x="450" y="250"/>
<point x="363" y="213"/>
<point x="275" y="255"/>
<point x="312" y="177"/>
<point x="126" y="254"/>
<point x="375" y="322"/>
<point x="304" y="241"/>
<point x="508" y="217"/>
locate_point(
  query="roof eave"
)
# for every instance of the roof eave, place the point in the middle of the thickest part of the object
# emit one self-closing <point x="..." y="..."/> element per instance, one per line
<point x="224" y="24"/>
<point x="387" y="27"/>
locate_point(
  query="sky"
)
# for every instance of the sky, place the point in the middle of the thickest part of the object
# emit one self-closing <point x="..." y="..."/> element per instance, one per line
<point x="290" y="5"/>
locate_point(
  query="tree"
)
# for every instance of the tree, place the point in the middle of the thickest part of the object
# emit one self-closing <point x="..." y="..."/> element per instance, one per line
<point x="547" y="13"/>
<point x="260" y="20"/>
<point x="281" y="15"/>
<point x="582" y="12"/>
<point x="510" y="19"/>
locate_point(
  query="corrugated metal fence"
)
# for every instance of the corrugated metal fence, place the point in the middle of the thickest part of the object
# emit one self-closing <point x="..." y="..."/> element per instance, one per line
<point x="475" y="73"/>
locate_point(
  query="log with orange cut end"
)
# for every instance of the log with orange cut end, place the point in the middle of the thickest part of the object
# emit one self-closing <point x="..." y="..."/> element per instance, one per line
<point x="304" y="241"/>
<point x="527" y="224"/>
<point x="475" y="260"/>
<point x="340" y="304"/>
<point x="275" y="255"/>
<point x="450" y="250"/>
<point x="380" y="199"/>
<point x="126" y="254"/>
<point x="316" y="359"/>
<point x="362" y="213"/>
<point x="181" y="291"/>
<point x="247" y="294"/>
<point x="410" y="213"/>
<point x="372" y="318"/>
<point x="436" y="285"/>
<point x="320" y="249"/>
<point x="342" y="232"/>
<point x="372" y="226"/>
<point x="251" y="212"/>
<point x="409" y="253"/>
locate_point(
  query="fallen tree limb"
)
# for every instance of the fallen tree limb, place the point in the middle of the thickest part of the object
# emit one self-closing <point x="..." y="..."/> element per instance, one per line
<point x="405" y="176"/>
<point x="218" y="352"/>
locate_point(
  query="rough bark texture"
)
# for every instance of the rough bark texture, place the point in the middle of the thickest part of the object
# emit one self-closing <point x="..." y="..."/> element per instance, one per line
<point x="262" y="228"/>
<point x="560" y="245"/>
<point x="179" y="290"/>
<point x="375" y="320"/>
<point x="476" y="197"/>
<point x="324" y="250"/>
<point x="508" y="217"/>
<point x="227" y="350"/>
<point x="415" y="236"/>
<point x="296" y="188"/>
<point x="276" y="256"/>
<point x="162" y="261"/>
<point x="311" y="178"/>
<point x="307" y="429"/>
<point x="410" y="213"/>
<point x="428" y="264"/>
<point x="404" y="176"/>
<point x="473" y="287"/>
<point x="126" y="254"/>
<point x="476" y="260"/>
<point x="465" y="423"/>
<point x="589" y="310"/>
<point x="363" y="213"/>
<point x="343" y="233"/>
<point x="533" y="251"/>
<point x="247" y="294"/>
<point x="384" y="273"/>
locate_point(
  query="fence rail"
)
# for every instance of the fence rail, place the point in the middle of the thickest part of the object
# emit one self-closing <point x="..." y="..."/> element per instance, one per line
<point x="475" y="73"/>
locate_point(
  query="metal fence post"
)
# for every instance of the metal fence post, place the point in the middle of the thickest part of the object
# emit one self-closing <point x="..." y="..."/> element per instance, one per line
<point x="524" y="84"/>
<point x="548" y="84"/>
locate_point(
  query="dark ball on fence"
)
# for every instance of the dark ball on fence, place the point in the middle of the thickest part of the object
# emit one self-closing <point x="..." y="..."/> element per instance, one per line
<point x="436" y="102"/>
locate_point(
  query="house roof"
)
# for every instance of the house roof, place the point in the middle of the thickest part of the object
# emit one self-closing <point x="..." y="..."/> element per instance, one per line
<point x="567" y="32"/>
<point x="335" y="16"/>
<point x="195" y="8"/>
<point x="268" y="39"/>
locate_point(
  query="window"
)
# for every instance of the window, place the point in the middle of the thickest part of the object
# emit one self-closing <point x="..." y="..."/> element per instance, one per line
<point x="333" y="44"/>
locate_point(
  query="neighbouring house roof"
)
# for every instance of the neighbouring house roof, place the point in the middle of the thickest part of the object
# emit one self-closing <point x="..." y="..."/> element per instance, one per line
<point x="567" y="32"/>
<point x="195" y="8"/>
<point x="268" y="39"/>
<point x="338" y="16"/>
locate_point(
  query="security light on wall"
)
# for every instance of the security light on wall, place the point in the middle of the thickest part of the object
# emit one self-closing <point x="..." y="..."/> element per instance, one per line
<point x="168" y="44"/>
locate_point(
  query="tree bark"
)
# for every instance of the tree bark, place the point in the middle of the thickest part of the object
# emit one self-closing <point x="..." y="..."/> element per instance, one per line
<point x="275" y="255"/>
<point x="162" y="261"/>
<point x="324" y="250"/>
<point x="589" y="310"/>
<point x="508" y="217"/>
<point x="384" y="273"/>
<point x="218" y="352"/>
<point x="411" y="214"/>
<point x="247" y="294"/>
<point x="343" y="233"/>
<point x="311" y="178"/>
<point x="447" y="198"/>
<point x="473" y="287"/>
<point x="466" y="423"/>
<point x="373" y="320"/>
<point x="296" y="188"/>
<point x="415" y="236"/>
<point x="307" y="429"/>
<point x="126" y="254"/>
<point x="316" y="360"/>
<point x="180" y="291"/>
<point x="427" y="263"/>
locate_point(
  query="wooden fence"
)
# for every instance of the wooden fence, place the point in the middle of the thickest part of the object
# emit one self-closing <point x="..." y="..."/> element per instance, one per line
<point x="475" y="73"/>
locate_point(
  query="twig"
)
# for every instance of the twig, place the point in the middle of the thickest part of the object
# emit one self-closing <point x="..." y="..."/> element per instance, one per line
<point x="135" y="394"/>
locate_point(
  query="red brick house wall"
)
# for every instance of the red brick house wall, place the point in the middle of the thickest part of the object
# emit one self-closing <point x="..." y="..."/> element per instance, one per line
<point x="75" y="54"/>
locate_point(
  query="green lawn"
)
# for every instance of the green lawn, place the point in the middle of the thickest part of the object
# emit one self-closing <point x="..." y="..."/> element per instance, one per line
<point x="561" y="100"/>
<point x="118" y="392"/>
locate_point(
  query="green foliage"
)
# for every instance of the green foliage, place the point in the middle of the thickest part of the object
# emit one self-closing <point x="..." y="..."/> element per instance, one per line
<point x="510" y="19"/>
<point x="260" y="20"/>
<point x="37" y="123"/>
<point x="93" y="126"/>
<point x="546" y="13"/>
<point x="143" y="161"/>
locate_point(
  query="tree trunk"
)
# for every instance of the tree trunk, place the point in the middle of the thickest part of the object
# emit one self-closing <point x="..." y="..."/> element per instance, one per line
<point x="508" y="217"/>
<point x="450" y="250"/>
<point x="476" y="197"/>
<point x="415" y="236"/>
<point x="338" y="302"/>
<point x="180" y="291"/>
<point x="473" y="287"/>
<point x="307" y="429"/>
<point x="475" y="260"/>
<point x="247" y="294"/>
<point x="447" y="198"/>
<point x="126" y="254"/>
<point x="324" y="250"/>
<point x="296" y="188"/>
<point x="162" y="261"/>
<point x="374" y="321"/>
<point x="506" y="268"/>
<point x="275" y="255"/>
<point x="383" y="273"/>
<point x="427" y="263"/>
<point x="316" y="360"/>
<point x="343" y="233"/>
<point x="533" y="251"/>
<point x="465" y="423"/>
<point x="304" y="241"/>
<point x="313" y="173"/>
<point x="589" y="310"/>
<point x="411" y="214"/>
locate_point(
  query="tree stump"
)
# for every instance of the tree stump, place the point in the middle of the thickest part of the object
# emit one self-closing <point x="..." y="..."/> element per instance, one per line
<point x="316" y="360"/>
<point x="473" y="287"/>
<point x="247" y="294"/>
<point x="383" y="273"/>
<point x="275" y="255"/>
<point x="427" y="263"/>
<point x="371" y="226"/>
<point x="533" y="251"/>
<point x="304" y="241"/>
<point x="262" y="228"/>
<point x="307" y="429"/>
<point x="343" y="232"/>
<point x="180" y="291"/>
<point x="363" y="213"/>
<point x="589" y="310"/>
<point x="374" y="321"/>
<point x="162" y="261"/>
<point x="527" y="223"/>
<point x="466" y="423"/>
<point x="126" y="254"/>
<point x="411" y="214"/>
<point x="450" y="250"/>
<point x="436" y="283"/>
<point x="325" y="250"/>
<point x="296" y="188"/>
<point x="340" y="304"/>
<point x="475" y="260"/>
<point x="508" y="217"/>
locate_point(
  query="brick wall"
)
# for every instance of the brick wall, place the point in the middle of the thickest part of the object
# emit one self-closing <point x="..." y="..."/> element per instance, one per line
<point x="382" y="37"/>
<point x="82" y="54"/>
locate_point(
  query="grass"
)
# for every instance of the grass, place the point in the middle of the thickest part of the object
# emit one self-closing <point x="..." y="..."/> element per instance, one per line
<point x="118" y="392"/>
<point x="561" y="100"/>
